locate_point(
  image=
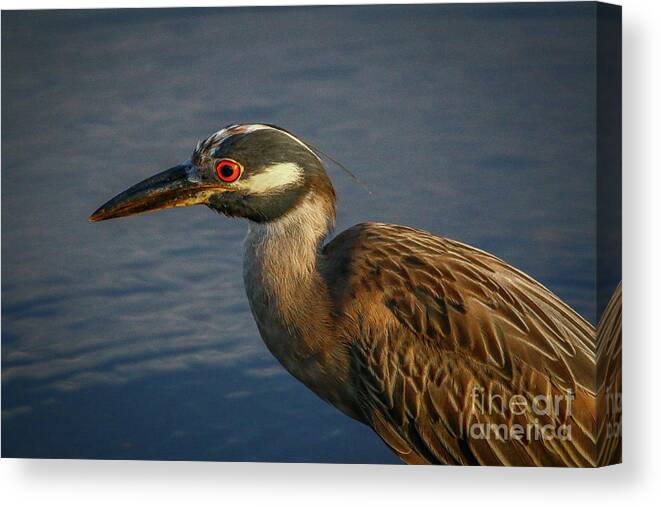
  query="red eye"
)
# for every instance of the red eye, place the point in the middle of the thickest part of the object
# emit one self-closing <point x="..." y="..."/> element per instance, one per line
<point x="228" y="170"/>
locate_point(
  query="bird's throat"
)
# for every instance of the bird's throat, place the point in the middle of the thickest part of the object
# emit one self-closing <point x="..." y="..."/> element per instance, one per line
<point x="288" y="296"/>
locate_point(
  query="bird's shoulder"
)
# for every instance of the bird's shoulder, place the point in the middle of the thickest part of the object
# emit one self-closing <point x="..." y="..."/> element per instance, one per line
<point x="432" y="319"/>
<point x="434" y="284"/>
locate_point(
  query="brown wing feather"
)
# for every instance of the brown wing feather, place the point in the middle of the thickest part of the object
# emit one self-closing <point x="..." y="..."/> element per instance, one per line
<point x="432" y="323"/>
<point x="609" y="380"/>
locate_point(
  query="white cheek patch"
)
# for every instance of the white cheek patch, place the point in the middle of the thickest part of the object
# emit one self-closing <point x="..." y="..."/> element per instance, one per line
<point x="272" y="179"/>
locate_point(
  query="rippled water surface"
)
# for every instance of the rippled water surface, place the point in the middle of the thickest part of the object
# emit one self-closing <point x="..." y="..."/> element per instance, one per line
<point x="133" y="338"/>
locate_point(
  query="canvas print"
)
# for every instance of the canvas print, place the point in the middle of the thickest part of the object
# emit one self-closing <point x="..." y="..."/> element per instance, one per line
<point x="359" y="234"/>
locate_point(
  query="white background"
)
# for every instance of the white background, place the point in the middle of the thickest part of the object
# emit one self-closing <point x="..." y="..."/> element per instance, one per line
<point x="60" y="482"/>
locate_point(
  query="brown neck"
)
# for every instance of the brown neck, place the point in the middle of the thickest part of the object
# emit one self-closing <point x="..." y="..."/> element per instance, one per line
<point x="288" y="296"/>
<point x="291" y="302"/>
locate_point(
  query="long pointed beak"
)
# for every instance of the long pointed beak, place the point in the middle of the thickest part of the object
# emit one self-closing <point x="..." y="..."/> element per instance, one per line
<point x="168" y="189"/>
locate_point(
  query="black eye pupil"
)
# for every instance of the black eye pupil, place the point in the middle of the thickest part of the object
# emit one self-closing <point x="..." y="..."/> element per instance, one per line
<point x="226" y="171"/>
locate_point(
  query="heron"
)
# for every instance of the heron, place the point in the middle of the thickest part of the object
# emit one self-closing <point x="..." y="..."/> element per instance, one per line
<point x="451" y="355"/>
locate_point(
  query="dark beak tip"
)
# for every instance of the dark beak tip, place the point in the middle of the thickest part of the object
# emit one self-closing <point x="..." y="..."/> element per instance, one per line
<point x="97" y="216"/>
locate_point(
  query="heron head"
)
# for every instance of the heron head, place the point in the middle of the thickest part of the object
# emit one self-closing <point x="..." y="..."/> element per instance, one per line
<point x="259" y="172"/>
